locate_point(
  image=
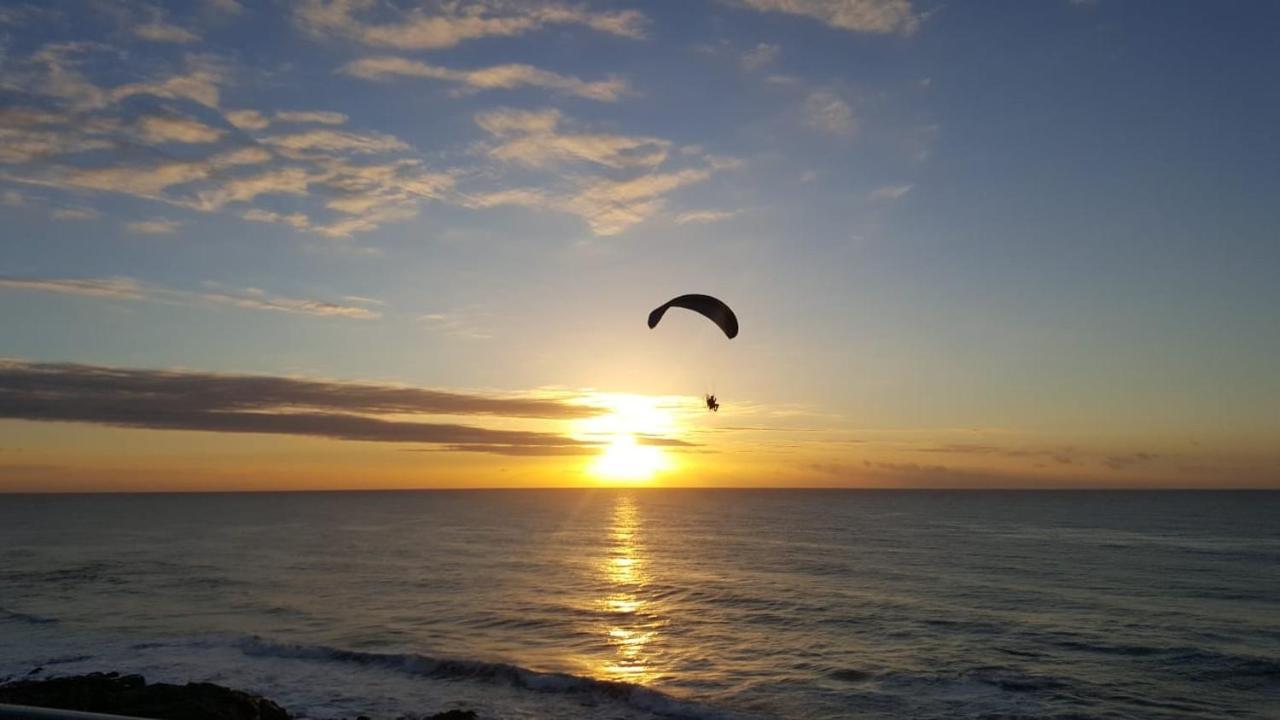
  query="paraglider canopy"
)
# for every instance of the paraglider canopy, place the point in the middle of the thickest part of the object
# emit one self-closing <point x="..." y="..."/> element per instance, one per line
<point x="711" y="308"/>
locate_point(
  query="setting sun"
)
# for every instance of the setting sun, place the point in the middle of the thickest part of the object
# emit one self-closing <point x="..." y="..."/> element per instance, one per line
<point x="625" y="459"/>
<point x="631" y="421"/>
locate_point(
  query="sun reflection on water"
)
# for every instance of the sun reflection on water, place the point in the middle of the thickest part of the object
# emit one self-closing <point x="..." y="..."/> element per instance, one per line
<point x="631" y="627"/>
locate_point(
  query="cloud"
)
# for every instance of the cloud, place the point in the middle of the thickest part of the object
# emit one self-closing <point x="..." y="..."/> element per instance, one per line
<point x="461" y="323"/>
<point x="890" y="192"/>
<point x="213" y="402"/>
<point x="289" y="181"/>
<point x="248" y="119"/>
<point x="872" y="16"/>
<point x="255" y="120"/>
<point x="612" y="206"/>
<point x="1062" y="456"/>
<point x="763" y="54"/>
<point x="257" y="300"/>
<point x="495" y="77"/>
<point x="124" y="288"/>
<point x="704" y="216"/>
<point x="824" y="110"/>
<point x="631" y="192"/>
<point x="143" y="181"/>
<point x="74" y="213"/>
<point x="322" y="117"/>
<point x="533" y="138"/>
<point x="1124" y="462"/>
<point x="159" y="129"/>
<point x="331" y="141"/>
<point x="157" y="226"/>
<point x="157" y="31"/>
<point x="445" y="24"/>
<point x="117" y="287"/>
<point x="608" y="206"/>
<point x="227" y="7"/>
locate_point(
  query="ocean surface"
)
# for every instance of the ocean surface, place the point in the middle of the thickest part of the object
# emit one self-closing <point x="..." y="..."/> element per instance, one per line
<point x="662" y="603"/>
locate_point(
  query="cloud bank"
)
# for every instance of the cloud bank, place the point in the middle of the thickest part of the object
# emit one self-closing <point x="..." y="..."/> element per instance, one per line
<point x="213" y="402"/>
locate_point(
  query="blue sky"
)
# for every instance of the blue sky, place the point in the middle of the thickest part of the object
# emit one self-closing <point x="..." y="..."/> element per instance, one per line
<point x="1028" y="226"/>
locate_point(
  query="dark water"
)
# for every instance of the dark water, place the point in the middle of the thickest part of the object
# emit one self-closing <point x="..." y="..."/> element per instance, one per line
<point x="555" y="603"/>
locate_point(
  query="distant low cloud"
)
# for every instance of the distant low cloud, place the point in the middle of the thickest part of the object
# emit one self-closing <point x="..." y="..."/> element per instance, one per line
<point x="872" y="16"/>
<point x="124" y="288"/>
<point x="212" y="402"/>
<point x="157" y="226"/>
<point x="1124" y="462"/>
<point x="443" y="25"/>
<point x="490" y="78"/>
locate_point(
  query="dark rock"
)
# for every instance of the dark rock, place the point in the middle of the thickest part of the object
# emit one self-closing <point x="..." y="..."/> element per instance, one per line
<point x="454" y="715"/>
<point x="131" y="695"/>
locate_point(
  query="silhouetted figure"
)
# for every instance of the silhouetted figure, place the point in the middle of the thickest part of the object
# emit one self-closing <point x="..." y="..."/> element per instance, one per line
<point x="713" y="404"/>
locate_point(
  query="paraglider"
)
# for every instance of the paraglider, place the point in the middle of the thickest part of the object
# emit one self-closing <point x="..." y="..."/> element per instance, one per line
<point x="711" y="308"/>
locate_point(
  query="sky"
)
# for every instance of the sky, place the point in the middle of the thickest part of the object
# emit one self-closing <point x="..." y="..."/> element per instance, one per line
<point x="366" y="244"/>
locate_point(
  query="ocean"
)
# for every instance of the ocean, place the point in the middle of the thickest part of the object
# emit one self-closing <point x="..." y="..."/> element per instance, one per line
<point x="654" y="603"/>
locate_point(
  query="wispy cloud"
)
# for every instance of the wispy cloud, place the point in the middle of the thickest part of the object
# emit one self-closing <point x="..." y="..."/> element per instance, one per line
<point x="760" y="56"/>
<point x="534" y="138"/>
<point x="117" y="287"/>
<point x="333" y="141"/>
<point x="703" y="216"/>
<point x="160" y="129"/>
<point x="157" y="31"/>
<point x="339" y="176"/>
<point x="460" y="323"/>
<point x="124" y="288"/>
<point x="156" y="226"/>
<point x="490" y="78"/>
<point x="825" y="110"/>
<point x="248" y="119"/>
<point x="609" y="203"/>
<point x="890" y="192"/>
<point x="445" y="24"/>
<point x="211" y="402"/>
<point x="74" y="213"/>
<point x="321" y="117"/>
<point x="873" y="16"/>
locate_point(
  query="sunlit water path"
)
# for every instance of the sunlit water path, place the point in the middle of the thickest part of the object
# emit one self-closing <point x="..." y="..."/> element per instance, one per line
<point x="540" y="604"/>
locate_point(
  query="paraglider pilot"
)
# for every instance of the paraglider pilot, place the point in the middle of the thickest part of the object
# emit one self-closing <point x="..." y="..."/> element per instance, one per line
<point x="713" y="404"/>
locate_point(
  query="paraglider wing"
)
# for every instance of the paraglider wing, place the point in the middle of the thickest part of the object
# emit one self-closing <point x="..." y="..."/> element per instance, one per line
<point x="713" y="309"/>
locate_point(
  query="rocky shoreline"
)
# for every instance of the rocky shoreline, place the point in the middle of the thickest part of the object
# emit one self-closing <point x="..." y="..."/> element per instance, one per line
<point x="118" y="694"/>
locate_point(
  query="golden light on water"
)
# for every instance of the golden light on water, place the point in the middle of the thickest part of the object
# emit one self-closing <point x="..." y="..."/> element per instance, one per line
<point x="630" y="628"/>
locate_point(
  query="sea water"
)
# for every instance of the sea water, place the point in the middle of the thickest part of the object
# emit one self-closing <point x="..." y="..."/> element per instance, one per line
<point x="652" y="603"/>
